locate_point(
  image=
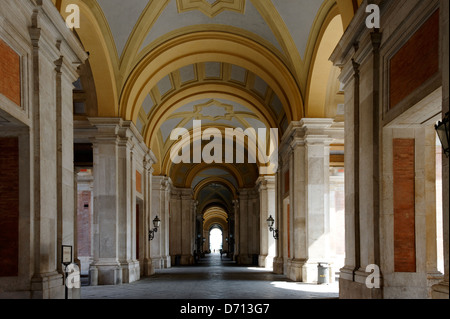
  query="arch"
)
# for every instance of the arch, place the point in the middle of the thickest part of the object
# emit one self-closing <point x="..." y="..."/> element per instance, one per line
<point x="97" y="39"/>
<point x="215" y="216"/>
<point x="210" y="46"/>
<point x="217" y="180"/>
<point x="206" y="91"/>
<point x="227" y="167"/>
<point x="347" y="10"/>
<point x="167" y="165"/>
<point x="321" y="68"/>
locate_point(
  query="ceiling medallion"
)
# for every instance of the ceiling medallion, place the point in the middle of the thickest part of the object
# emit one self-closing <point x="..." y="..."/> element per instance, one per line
<point x="228" y="111"/>
<point x="211" y="8"/>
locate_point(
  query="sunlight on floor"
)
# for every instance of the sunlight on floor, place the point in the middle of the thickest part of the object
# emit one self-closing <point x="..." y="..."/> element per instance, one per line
<point x="260" y="269"/>
<point x="333" y="288"/>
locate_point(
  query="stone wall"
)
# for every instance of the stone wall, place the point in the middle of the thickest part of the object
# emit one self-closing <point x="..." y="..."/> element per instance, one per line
<point x="391" y="105"/>
<point x="42" y="56"/>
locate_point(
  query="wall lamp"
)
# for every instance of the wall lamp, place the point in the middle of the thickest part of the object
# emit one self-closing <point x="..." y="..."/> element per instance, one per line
<point x="271" y="222"/>
<point x="442" y="129"/>
<point x="156" y="224"/>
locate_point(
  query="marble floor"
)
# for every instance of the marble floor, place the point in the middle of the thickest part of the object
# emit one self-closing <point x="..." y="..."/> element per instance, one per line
<point x="213" y="278"/>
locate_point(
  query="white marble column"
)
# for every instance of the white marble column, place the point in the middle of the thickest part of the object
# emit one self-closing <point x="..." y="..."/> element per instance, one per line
<point x="187" y="227"/>
<point x="127" y="208"/>
<point x="105" y="268"/>
<point x="441" y="290"/>
<point x="242" y="237"/>
<point x="50" y="65"/>
<point x="278" y="262"/>
<point x="182" y="226"/>
<point x="160" y="207"/>
<point x="149" y="248"/>
<point x="236" y="238"/>
<point x="267" y="208"/>
<point x="309" y="173"/>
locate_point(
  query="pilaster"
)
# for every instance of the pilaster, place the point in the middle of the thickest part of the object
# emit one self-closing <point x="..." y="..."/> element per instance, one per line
<point x="266" y="187"/>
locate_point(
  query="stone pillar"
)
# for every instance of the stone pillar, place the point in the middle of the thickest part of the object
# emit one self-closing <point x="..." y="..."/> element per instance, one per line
<point x="160" y="207"/>
<point x="84" y="208"/>
<point x="148" y="217"/>
<point x="51" y="68"/>
<point x="105" y="268"/>
<point x="236" y="238"/>
<point x="278" y="262"/>
<point x="166" y="185"/>
<point x="127" y="207"/>
<point x="242" y="232"/>
<point x="267" y="208"/>
<point x="309" y="192"/>
<point x="118" y="149"/>
<point x="181" y="225"/>
<point x="441" y="290"/>
<point x="187" y="227"/>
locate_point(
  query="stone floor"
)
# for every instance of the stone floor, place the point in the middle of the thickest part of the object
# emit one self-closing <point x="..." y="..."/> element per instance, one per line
<point x="213" y="278"/>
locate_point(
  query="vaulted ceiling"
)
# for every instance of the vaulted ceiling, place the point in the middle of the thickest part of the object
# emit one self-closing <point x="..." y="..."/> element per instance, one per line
<point x="229" y="63"/>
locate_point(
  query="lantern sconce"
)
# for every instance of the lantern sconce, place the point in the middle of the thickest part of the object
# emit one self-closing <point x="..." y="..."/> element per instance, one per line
<point x="442" y="130"/>
<point x="156" y="225"/>
<point x="271" y="222"/>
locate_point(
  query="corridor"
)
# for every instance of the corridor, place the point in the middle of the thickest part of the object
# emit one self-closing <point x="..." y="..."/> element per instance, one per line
<point x="213" y="278"/>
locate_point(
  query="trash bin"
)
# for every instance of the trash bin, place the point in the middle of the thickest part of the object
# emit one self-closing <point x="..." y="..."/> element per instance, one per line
<point x="177" y="260"/>
<point x="323" y="274"/>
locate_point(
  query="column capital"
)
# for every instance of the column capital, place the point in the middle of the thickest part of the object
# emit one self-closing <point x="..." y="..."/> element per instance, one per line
<point x="265" y="182"/>
<point x="307" y="131"/>
<point x="149" y="160"/>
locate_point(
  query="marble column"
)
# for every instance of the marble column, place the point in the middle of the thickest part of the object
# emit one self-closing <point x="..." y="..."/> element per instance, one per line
<point x="182" y="226"/>
<point x="236" y="231"/>
<point x="278" y="262"/>
<point x="127" y="205"/>
<point x="148" y="217"/>
<point x="187" y="227"/>
<point x="160" y="207"/>
<point x="105" y="268"/>
<point x="441" y="290"/>
<point x="309" y="173"/>
<point x="267" y="208"/>
<point x="242" y="232"/>
<point x="51" y="68"/>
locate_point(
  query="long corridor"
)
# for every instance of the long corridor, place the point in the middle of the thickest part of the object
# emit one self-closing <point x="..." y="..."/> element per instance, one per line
<point x="213" y="278"/>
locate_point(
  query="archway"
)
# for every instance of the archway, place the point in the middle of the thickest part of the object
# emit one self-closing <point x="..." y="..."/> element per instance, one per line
<point x="215" y="239"/>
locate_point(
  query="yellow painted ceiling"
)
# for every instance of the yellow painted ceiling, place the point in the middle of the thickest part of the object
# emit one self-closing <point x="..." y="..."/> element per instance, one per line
<point x="229" y="63"/>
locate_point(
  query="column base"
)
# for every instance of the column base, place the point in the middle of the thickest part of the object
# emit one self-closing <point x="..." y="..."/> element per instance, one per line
<point x="105" y="274"/>
<point x="48" y="286"/>
<point x="265" y="261"/>
<point x="278" y="266"/>
<point x="187" y="260"/>
<point x="244" y="260"/>
<point x="157" y="262"/>
<point x="167" y="262"/>
<point x="440" y="291"/>
<point x="149" y="267"/>
<point x="302" y="271"/>
<point x="130" y="271"/>
<point x="161" y="262"/>
<point x="349" y="289"/>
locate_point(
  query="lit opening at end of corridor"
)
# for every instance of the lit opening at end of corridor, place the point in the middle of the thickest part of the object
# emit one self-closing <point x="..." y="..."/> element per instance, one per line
<point x="216" y="240"/>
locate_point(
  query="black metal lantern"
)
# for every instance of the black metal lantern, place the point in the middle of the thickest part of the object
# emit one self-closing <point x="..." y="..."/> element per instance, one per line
<point x="156" y="225"/>
<point x="271" y="222"/>
<point x="443" y="130"/>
